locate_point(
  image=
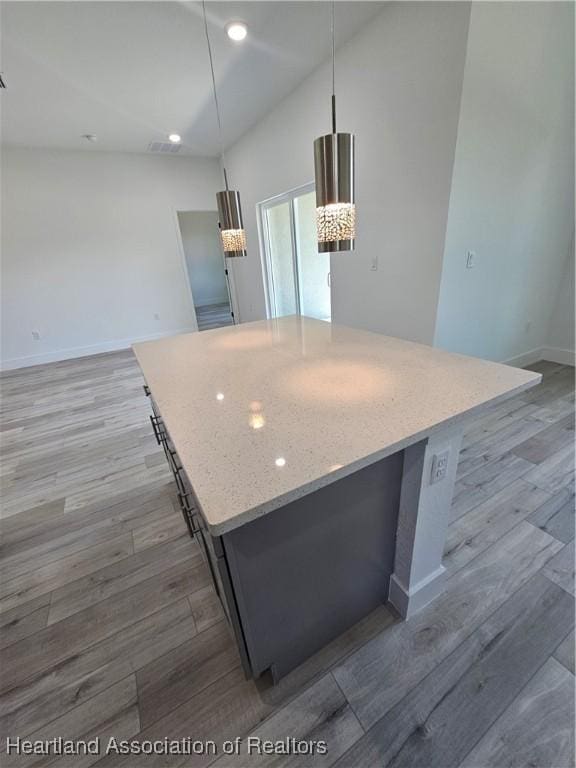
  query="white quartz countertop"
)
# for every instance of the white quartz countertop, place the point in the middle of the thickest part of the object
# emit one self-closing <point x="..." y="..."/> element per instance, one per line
<point x="264" y="413"/>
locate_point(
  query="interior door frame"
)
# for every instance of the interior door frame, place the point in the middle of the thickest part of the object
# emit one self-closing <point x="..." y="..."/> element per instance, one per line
<point x="225" y="264"/>
<point x="263" y="236"/>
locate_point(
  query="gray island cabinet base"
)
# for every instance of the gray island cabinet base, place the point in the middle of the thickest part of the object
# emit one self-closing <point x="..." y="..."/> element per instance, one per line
<point x="307" y="530"/>
<point x="306" y="572"/>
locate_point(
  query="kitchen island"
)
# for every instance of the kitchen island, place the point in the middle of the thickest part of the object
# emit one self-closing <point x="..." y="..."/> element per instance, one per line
<point x="315" y="463"/>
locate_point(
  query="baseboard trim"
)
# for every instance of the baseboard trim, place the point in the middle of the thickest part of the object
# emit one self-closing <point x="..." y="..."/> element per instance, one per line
<point x="558" y="355"/>
<point x="93" y="349"/>
<point x="409" y="601"/>
<point x="211" y="302"/>
<point x="527" y="358"/>
<point x="551" y="354"/>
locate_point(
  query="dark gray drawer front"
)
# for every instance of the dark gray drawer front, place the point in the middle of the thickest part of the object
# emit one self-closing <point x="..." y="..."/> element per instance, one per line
<point x="212" y="547"/>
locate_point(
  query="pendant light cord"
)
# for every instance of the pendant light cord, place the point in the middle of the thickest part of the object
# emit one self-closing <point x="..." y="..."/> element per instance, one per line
<point x="333" y="71"/>
<point x="219" y="121"/>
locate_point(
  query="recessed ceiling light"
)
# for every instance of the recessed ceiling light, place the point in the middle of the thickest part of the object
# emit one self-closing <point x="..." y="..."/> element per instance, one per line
<point x="175" y="138"/>
<point x="236" y="30"/>
<point x="280" y="461"/>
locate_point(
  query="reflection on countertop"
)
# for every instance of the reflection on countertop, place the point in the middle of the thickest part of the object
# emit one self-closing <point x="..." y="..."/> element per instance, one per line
<point x="312" y="399"/>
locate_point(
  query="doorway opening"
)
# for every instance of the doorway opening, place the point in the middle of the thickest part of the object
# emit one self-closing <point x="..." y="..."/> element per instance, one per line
<point x="296" y="276"/>
<point x="206" y="270"/>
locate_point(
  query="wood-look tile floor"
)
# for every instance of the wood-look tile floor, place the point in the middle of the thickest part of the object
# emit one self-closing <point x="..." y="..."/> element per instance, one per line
<point x="109" y="625"/>
<point x="213" y="316"/>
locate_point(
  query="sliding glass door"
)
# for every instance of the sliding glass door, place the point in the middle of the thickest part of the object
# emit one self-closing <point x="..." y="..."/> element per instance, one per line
<point x="297" y="276"/>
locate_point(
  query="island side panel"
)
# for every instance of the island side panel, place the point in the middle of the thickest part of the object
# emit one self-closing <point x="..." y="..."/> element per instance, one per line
<point x="423" y="521"/>
<point x="306" y="572"/>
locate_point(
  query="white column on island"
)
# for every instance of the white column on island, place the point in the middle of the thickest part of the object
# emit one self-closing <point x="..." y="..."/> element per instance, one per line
<point x="422" y="523"/>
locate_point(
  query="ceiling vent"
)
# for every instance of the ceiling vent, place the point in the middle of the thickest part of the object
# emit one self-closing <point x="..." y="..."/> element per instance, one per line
<point x="2" y="81"/>
<point x="163" y="147"/>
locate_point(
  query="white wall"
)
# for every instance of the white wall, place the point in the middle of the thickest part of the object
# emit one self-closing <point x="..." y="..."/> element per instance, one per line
<point x="201" y="243"/>
<point x="560" y="337"/>
<point x="398" y="87"/>
<point x="512" y="199"/>
<point x="90" y="250"/>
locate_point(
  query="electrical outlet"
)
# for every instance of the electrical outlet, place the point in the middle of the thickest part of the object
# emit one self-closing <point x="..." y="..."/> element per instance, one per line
<point x="156" y="316"/>
<point x="470" y="259"/>
<point x="36" y="335"/>
<point x="374" y="264"/>
<point x="439" y="467"/>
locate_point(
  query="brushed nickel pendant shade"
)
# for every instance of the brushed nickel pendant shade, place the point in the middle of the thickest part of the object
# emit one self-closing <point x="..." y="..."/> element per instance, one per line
<point x="232" y="232"/>
<point x="334" y="177"/>
<point x="335" y="207"/>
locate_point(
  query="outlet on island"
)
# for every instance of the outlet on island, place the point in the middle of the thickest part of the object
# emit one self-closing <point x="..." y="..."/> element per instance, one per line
<point x="439" y="467"/>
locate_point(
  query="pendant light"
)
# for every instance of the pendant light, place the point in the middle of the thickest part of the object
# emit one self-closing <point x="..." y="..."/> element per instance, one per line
<point x="232" y="233"/>
<point x="334" y="176"/>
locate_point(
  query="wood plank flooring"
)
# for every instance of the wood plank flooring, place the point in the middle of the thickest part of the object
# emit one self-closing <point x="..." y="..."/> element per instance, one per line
<point x="213" y="316"/>
<point x="109" y="625"/>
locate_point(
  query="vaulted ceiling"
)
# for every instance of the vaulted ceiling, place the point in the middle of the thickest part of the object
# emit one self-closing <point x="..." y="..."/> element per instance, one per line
<point x="133" y="72"/>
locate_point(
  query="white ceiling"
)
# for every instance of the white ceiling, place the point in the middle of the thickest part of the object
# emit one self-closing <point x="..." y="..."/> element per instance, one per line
<point x="133" y="72"/>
